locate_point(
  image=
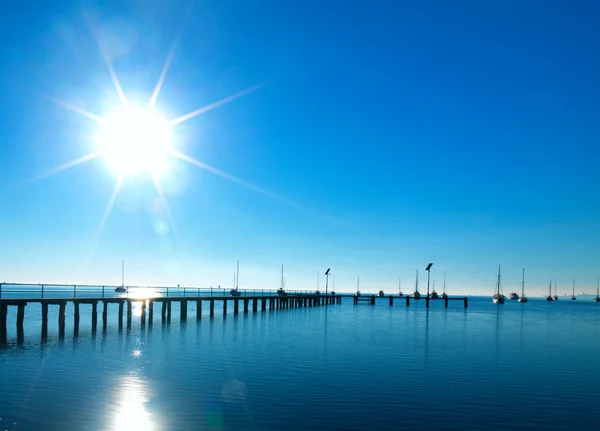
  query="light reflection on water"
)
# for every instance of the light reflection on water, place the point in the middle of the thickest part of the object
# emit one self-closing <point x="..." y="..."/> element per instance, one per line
<point x="342" y="367"/>
<point x="130" y="409"/>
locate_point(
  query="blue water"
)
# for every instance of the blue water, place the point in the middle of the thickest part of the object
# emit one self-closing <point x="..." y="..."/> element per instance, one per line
<point x="516" y="366"/>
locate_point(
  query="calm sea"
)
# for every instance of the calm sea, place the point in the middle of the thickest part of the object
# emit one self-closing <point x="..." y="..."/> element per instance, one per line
<point x="343" y="367"/>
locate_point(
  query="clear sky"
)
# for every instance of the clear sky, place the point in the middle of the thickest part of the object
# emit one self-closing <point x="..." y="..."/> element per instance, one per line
<point x="387" y="134"/>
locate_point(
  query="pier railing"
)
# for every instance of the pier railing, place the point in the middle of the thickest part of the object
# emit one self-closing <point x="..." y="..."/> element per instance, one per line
<point x="32" y="291"/>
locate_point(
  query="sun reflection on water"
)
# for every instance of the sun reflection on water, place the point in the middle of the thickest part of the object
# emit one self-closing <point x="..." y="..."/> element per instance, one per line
<point x="131" y="413"/>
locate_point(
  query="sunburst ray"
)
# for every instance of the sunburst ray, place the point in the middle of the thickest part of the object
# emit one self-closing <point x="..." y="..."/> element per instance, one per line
<point x="64" y="167"/>
<point x="214" y="105"/>
<point x="111" y="70"/>
<point x="167" y="65"/>
<point x="165" y="205"/>
<point x="74" y="108"/>
<point x="234" y="179"/>
<point x="107" y="211"/>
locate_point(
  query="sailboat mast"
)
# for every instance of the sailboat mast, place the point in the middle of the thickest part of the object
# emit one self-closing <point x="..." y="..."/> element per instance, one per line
<point x="122" y="273"/>
<point x="282" y="276"/>
<point x="444" y="282"/>
<point x="573" y="287"/>
<point x="237" y="277"/>
<point x="523" y="283"/>
<point x="399" y="284"/>
<point x="498" y="284"/>
<point x="417" y="282"/>
<point x="357" y="284"/>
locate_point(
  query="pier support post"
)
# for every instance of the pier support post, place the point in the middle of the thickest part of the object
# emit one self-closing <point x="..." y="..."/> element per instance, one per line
<point x="104" y="315"/>
<point x="169" y="307"/>
<point x="445" y="302"/>
<point x="254" y="305"/>
<point x="391" y="300"/>
<point x="76" y="317"/>
<point x="245" y="305"/>
<point x="120" y="314"/>
<point x="407" y="300"/>
<point x="236" y="306"/>
<point x="62" y="307"/>
<point x="163" y="311"/>
<point x="94" y="315"/>
<point x="466" y="302"/>
<point x="427" y="302"/>
<point x="20" y="316"/>
<point x="224" y="307"/>
<point x="183" y="310"/>
<point x="198" y="309"/>
<point x="263" y="304"/>
<point x="129" y="313"/>
<point x="3" y="314"/>
<point x="150" y="312"/>
<point x="143" y="317"/>
<point x="44" y="318"/>
<point x="212" y="308"/>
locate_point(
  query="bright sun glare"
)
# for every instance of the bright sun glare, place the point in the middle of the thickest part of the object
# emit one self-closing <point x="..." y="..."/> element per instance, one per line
<point x="138" y="140"/>
<point x="134" y="141"/>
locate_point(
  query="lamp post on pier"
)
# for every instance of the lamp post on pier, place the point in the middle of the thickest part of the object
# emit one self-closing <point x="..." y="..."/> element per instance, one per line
<point x="327" y="281"/>
<point x="428" y="269"/>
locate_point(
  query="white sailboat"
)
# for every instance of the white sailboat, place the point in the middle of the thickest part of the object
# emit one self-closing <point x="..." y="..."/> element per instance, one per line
<point x="122" y="288"/>
<point x="416" y="294"/>
<point x="498" y="298"/>
<point x="400" y="286"/>
<point x="523" y="298"/>
<point x="281" y="291"/>
<point x="236" y="279"/>
<point x="549" y="297"/>
<point x="444" y="295"/>
<point x="434" y="294"/>
<point x="555" y="297"/>
<point x="358" y="286"/>
<point x="573" y="297"/>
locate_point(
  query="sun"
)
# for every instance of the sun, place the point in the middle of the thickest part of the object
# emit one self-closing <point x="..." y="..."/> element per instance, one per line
<point x="134" y="141"/>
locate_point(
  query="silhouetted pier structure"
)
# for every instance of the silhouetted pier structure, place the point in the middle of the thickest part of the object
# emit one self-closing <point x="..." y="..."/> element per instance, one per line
<point x="203" y="303"/>
<point x="371" y="299"/>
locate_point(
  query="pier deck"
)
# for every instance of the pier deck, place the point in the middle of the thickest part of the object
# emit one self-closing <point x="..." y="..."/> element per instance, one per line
<point x="271" y="302"/>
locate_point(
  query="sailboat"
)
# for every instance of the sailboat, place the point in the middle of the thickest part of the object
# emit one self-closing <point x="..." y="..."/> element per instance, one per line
<point x="597" y="299"/>
<point x="400" y="286"/>
<point x="416" y="294"/>
<point x="573" y="297"/>
<point x="281" y="291"/>
<point x="122" y="288"/>
<point x="358" y="286"/>
<point x="549" y="297"/>
<point x="434" y="294"/>
<point x="523" y="298"/>
<point x="555" y="297"/>
<point x="444" y="295"/>
<point x="498" y="298"/>
<point x="235" y="291"/>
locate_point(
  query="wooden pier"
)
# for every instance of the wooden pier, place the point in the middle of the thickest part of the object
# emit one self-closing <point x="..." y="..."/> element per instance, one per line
<point x="270" y="302"/>
<point x="370" y="299"/>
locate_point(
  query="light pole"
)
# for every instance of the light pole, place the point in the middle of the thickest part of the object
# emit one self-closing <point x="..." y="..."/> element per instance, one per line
<point x="327" y="281"/>
<point x="428" y="273"/>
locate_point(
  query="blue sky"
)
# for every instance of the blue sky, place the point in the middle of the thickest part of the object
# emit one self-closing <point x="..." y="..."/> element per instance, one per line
<point x="462" y="133"/>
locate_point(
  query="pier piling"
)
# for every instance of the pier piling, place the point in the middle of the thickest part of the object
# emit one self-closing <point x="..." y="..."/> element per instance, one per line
<point x="199" y="309"/>
<point x="212" y="308"/>
<point x="183" y="310"/>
